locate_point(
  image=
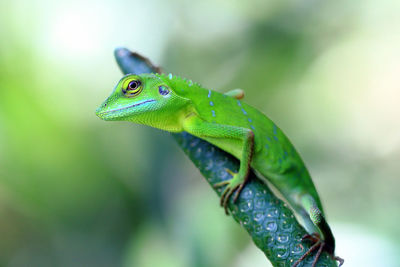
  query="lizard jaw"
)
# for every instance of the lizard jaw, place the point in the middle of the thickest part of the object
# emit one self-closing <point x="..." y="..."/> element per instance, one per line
<point x="108" y="114"/>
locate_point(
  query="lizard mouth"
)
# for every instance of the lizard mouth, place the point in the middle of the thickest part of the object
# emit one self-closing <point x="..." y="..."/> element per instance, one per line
<point x="100" y="114"/>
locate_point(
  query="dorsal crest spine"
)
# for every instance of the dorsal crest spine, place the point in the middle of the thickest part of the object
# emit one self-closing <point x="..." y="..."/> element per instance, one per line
<point x="177" y="79"/>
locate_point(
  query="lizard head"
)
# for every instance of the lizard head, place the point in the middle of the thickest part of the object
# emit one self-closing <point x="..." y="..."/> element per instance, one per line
<point x="145" y="99"/>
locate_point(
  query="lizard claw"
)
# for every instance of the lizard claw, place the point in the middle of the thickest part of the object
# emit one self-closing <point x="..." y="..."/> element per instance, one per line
<point x="314" y="237"/>
<point x="234" y="185"/>
<point x="340" y="260"/>
<point x="318" y="243"/>
<point x="230" y="172"/>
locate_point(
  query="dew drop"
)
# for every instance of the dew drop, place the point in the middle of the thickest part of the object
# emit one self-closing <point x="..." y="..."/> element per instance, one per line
<point x="281" y="252"/>
<point x="245" y="221"/>
<point x="297" y="249"/>
<point x="245" y="206"/>
<point x="260" y="203"/>
<point x="258" y="215"/>
<point x="283" y="238"/>
<point x="247" y="193"/>
<point x="272" y="213"/>
<point x="257" y="228"/>
<point x="271" y="226"/>
<point x="269" y="240"/>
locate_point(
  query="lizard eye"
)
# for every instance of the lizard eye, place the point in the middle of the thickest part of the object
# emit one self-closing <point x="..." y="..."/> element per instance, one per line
<point x="133" y="85"/>
<point x="132" y="89"/>
<point x="163" y="90"/>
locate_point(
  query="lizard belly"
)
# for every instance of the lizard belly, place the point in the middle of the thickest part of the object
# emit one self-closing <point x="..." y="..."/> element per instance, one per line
<point x="231" y="146"/>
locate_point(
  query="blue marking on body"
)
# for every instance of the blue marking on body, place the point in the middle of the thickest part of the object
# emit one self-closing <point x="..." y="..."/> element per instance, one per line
<point x="209" y="93"/>
<point x="213" y="113"/>
<point x="285" y="154"/>
<point x="211" y="103"/>
<point x="275" y="129"/>
<point x="245" y="113"/>
<point x="280" y="160"/>
<point x="268" y="138"/>
<point x="276" y="138"/>
<point x="266" y="146"/>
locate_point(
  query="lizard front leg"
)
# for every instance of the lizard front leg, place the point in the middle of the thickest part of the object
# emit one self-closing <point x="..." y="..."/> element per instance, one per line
<point x="235" y="93"/>
<point x="202" y="129"/>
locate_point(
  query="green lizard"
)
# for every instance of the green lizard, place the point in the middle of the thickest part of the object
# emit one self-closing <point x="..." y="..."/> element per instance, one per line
<point x="174" y="104"/>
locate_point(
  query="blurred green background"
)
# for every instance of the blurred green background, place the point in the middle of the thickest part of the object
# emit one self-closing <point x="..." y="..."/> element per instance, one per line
<point x="78" y="191"/>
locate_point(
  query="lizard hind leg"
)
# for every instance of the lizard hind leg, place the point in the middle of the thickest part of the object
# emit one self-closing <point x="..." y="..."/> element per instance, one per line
<point x="318" y="244"/>
<point x="327" y="242"/>
<point x="315" y="214"/>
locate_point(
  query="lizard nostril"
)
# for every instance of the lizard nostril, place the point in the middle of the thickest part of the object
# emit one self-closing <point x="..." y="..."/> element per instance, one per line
<point x="105" y="105"/>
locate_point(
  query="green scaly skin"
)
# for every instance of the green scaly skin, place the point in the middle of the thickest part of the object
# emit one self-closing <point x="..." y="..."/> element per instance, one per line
<point x="176" y="105"/>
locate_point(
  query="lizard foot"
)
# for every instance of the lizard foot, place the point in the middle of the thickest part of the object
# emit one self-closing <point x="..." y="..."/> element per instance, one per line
<point x="234" y="185"/>
<point x="318" y="244"/>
